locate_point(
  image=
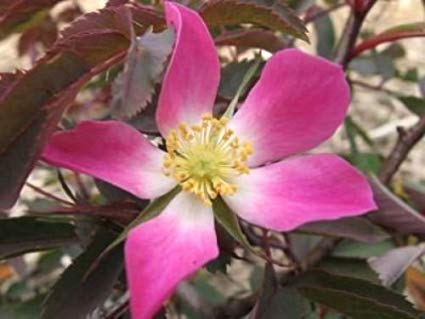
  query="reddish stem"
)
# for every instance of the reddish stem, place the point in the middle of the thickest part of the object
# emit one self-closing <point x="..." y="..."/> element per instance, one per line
<point x="374" y="41"/>
<point x="48" y="195"/>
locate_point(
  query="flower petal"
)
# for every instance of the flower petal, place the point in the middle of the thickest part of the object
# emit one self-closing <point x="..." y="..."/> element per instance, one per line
<point x="298" y="103"/>
<point x="164" y="251"/>
<point x="111" y="151"/>
<point x="287" y="194"/>
<point x="191" y="81"/>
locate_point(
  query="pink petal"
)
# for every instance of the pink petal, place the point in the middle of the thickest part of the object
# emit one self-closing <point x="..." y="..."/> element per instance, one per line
<point x="166" y="250"/>
<point x="191" y="81"/>
<point x="111" y="151"/>
<point x="298" y="103"/>
<point x="287" y="194"/>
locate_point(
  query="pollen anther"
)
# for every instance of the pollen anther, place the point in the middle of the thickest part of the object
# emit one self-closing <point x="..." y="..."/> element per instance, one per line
<point x="204" y="158"/>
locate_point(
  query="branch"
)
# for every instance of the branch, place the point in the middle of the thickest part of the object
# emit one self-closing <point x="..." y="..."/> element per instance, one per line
<point x="406" y="141"/>
<point x="374" y="87"/>
<point x="350" y="34"/>
<point x="47" y="194"/>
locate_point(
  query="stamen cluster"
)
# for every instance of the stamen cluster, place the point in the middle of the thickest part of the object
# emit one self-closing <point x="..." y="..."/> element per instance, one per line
<point x="204" y="158"/>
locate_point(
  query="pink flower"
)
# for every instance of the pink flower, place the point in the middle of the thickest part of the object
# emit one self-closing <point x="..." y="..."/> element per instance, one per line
<point x="298" y="103"/>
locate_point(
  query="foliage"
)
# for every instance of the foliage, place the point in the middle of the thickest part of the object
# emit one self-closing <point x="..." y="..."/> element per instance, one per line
<point x="110" y="64"/>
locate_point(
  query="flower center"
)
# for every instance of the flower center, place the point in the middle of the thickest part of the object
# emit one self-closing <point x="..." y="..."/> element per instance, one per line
<point x="204" y="158"/>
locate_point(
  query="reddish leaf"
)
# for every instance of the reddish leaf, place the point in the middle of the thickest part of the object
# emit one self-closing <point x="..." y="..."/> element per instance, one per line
<point x="91" y="35"/>
<point x="106" y="27"/>
<point x="357" y="5"/>
<point x="45" y="33"/>
<point x="146" y="60"/>
<point x="417" y="197"/>
<point x="257" y="38"/>
<point x="33" y="102"/>
<point x="145" y="15"/>
<point x="77" y="294"/>
<point x="393" y="213"/>
<point x="274" y="15"/>
<point x="400" y="32"/>
<point x="19" y="15"/>
<point x="26" y="124"/>
<point x="69" y="14"/>
<point x="114" y="3"/>
<point x="7" y="81"/>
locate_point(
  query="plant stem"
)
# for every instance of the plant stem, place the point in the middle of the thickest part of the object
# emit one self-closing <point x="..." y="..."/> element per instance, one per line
<point x="407" y="139"/>
<point x="374" y="87"/>
<point x="350" y="34"/>
<point x="48" y="195"/>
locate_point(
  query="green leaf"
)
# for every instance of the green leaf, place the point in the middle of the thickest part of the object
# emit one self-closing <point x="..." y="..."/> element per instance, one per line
<point x="151" y="211"/>
<point x="50" y="261"/>
<point x="375" y="63"/>
<point x="226" y="245"/>
<point x="247" y="78"/>
<point x="278" y="302"/>
<point x="385" y="65"/>
<point x="219" y="264"/>
<point x="358" y="130"/>
<point x="302" y="244"/>
<point x="25" y="234"/>
<point x="351" y="249"/>
<point x="208" y="291"/>
<point x="368" y="163"/>
<point x="410" y="75"/>
<point x="354" y="130"/>
<point x="356" y="298"/>
<point x="75" y="295"/>
<point x="355" y="228"/>
<point x="271" y="14"/>
<point x="325" y="34"/>
<point x="29" y="309"/>
<point x="146" y="58"/>
<point x="395" y="51"/>
<point x="414" y="104"/>
<point x="111" y="194"/>
<point x="231" y="78"/>
<point x="421" y="84"/>
<point x="350" y="267"/>
<point x="229" y="221"/>
<point x="256" y="278"/>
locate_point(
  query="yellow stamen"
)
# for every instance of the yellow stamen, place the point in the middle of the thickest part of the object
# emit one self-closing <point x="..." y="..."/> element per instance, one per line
<point x="204" y="158"/>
